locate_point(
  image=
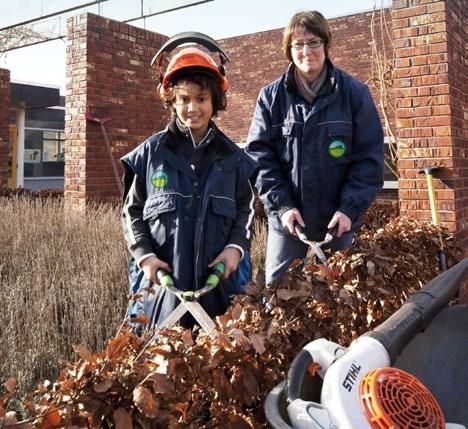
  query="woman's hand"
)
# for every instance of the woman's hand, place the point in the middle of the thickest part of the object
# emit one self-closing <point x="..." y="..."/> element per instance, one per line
<point x="288" y="219"/>
<point x="231" y="257"/>
<point x="151" y="265"/>
<point x="343" y="221"/>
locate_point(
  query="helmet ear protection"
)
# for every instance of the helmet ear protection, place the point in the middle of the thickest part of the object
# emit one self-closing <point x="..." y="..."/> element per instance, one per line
<point x="190" y="57"/>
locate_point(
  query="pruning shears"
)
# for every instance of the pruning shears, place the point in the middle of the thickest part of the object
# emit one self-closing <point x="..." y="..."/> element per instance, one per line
<point x="189" y="299"/>
<point x="316" y="246"/>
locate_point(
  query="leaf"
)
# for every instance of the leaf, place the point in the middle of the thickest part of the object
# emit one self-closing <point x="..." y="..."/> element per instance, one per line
<point x="84" y="353"/>
<point x="251" y="386"/>
<point x="10" y="418"/>
<point x="287" y="294"/>
<point x="236" y="312"/>
<point x="116" y="346"/>
<point x="142" y="318"/>
<point x="102" y="386"/>
<point x="122" y="419"/>
<point x="258" y="342"/>
<point x="51" y="418"/>
<point x="10" y="384"/>
<point x="145" y="402"/>
<point x="187" y="337"/>
<point x="313" y="368"/>
<point x="162" y="364"/>
<point x="236" y="421"/>
<point x="149" y="290"/>
<point x="328" y="272"/>
<point x="163" y="384"/>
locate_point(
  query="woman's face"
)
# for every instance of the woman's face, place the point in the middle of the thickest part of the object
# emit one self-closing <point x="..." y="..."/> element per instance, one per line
<point x="309" y="61"/>
<point x="194" y="107"/>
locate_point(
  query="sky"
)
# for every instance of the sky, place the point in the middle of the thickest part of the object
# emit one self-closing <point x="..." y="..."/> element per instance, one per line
<point x="45" y="63"/>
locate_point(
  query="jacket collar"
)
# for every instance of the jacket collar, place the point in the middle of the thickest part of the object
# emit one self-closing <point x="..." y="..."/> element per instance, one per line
<point x="328" y="87"/>
<point x="172" y="137"/>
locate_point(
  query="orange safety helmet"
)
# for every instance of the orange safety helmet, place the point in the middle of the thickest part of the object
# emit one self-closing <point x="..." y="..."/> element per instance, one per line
<point x="192" y="58"/>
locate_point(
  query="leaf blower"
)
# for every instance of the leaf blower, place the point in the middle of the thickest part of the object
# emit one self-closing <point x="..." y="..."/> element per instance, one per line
<point x="360" y="389"/>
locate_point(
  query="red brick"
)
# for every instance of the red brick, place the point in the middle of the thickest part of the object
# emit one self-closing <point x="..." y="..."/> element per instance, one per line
<point x="430" y="84"/>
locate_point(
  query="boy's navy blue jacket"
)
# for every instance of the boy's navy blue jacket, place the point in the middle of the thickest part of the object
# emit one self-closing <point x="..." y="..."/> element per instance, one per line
<point x="319" y="157"/>
<point x="185" y="218"/>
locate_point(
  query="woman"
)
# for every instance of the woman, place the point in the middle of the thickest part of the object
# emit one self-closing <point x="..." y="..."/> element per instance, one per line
<point x="318" y="140"/>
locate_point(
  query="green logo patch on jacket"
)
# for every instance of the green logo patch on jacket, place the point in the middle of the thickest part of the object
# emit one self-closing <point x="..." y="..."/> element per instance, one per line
<point x="337" y="149"/>
<point x="159" y="179"/>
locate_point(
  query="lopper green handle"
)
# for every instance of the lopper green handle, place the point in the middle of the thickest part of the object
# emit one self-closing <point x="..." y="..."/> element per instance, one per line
<point x="215" y="275"/>
<point x="164" y="278"/>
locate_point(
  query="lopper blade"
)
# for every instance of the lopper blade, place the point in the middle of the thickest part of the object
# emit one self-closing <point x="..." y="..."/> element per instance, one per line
<point x="174" y="317"/>
<point x="200" y="315"/>
<point x="318" y="251"/>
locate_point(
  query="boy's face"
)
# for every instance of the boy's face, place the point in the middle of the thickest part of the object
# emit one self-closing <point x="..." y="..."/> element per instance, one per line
<point x="194" y="107"/>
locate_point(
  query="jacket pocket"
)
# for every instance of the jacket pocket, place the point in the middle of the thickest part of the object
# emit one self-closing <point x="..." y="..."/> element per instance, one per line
<point x="160" y="214"/>
<point x="223" y="206"/>
<point x="287" y="135"/>
<point x="220" y="223"/>
<point x="158" y="204"/>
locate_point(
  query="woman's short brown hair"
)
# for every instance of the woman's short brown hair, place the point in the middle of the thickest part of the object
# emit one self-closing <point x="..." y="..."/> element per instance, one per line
<point x="205" y="80"/>
<point x="314" y="22"/>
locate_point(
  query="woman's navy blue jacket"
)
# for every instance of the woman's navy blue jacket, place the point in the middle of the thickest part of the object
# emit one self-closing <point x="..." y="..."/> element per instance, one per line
<point x="319" y="157"/>
<point x="184" y="218"/>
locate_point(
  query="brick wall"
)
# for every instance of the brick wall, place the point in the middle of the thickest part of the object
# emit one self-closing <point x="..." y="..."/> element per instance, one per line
<point x="256" y="59"/>
<point x="456" y="21"/>
<point x="107" y="72"/>
<point x="430" y="92"/>
<point x="108" y="67"/>
<point x="4" y="124"/>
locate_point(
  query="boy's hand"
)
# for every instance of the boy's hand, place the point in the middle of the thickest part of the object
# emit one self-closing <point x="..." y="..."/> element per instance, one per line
<point x="231" y="258"/>
<point x="151" y="265"/>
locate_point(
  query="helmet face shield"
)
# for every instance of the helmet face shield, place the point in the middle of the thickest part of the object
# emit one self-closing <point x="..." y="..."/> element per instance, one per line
<point x="192" y="58"/>
<point x="189" y="59"/>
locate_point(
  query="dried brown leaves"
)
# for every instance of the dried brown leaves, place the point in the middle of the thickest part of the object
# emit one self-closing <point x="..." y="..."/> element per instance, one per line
<point x="191" y="380"/>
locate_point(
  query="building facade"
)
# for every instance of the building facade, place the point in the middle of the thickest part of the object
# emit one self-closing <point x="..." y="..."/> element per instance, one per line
<point x="108" y="72"/>
<point x="33" y="137"/>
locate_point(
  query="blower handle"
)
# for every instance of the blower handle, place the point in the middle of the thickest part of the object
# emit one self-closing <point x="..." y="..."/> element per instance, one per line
<point x="297" y="370"/>
<point x="419" y="310"/>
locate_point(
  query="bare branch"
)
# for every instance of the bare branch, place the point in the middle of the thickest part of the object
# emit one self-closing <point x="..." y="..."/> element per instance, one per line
<point x="381" y="79"/>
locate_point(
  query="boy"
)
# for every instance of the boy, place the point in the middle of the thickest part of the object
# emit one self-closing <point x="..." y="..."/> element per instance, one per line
<point x="188" y="202"/>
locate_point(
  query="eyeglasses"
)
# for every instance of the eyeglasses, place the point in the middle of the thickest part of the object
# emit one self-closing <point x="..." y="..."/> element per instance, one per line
<point x="298" y="45"/>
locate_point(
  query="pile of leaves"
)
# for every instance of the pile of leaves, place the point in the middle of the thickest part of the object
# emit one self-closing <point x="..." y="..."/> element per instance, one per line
<point x="178" y="378"/>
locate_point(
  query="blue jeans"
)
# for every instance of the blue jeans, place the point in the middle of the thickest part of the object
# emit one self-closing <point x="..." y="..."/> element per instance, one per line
<point x="283" y="249"/>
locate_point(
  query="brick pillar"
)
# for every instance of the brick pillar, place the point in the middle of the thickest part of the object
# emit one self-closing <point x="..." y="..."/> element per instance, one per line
<point x="108" y="71"/>
<point x="430" y="89"/>
<point x="4" y="124"/>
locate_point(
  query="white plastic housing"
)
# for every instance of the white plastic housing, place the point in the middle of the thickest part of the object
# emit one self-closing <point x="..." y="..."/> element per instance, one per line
<point x="340" y="391"/>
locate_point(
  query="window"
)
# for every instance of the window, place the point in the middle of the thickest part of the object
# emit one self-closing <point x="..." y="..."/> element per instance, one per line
<point x="390" y="178"/>
<point x="43" y="153"/>
<point x="44" y="142"/>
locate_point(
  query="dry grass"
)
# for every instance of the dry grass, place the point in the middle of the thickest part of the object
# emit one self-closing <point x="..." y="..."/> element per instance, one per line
<point x="62" y="282"/>
<point x="258" y="249"/>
